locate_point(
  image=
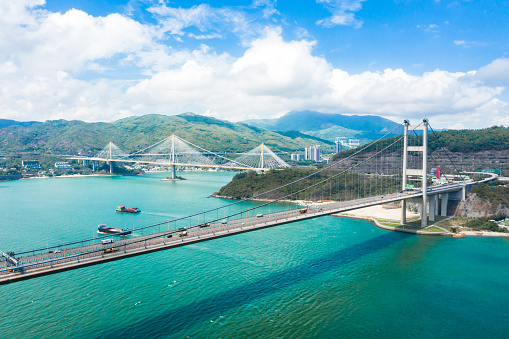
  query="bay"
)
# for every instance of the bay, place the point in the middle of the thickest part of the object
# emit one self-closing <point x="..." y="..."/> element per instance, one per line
<point x="325" y="278"/>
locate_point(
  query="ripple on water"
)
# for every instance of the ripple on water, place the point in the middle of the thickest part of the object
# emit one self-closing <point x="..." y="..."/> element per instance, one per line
<point x="327" y="277"/>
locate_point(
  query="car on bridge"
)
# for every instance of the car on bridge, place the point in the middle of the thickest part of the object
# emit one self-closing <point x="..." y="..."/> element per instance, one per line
<point x="107" y="241"/>
<point x="110" y="250"/>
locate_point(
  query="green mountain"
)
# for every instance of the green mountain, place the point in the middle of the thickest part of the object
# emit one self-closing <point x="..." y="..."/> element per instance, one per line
<point x="329" y="126"/>
<point x="135" y="133"/>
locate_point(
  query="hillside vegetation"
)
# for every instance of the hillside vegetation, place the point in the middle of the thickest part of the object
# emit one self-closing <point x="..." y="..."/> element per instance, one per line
<point x="486" y="148"/>
<point x="468" y="150"/>
<point x="250" y="184"/>
<point x="496" y="192"/>
<point x="494" y="138"/>
<point x="135" y="133"/>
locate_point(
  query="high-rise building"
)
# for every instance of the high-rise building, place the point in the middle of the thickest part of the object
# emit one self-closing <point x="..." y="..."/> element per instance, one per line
<point x="316" y="153"/>
<point x="312" y="153"/>
<point x="297" y="157"/>
<point x="339" y="146"/>
<point x="307" y="153"/>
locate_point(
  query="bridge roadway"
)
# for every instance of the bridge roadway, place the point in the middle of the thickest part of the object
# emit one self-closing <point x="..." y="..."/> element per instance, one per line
<point x="39" y="264"/>
<point x="169" y="163"/>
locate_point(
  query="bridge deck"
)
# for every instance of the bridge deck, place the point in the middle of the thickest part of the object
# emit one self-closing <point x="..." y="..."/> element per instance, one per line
<point x="40" y="264"/>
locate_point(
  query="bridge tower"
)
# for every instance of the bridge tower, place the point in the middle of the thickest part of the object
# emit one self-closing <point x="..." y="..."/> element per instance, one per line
<point x="173" y="167"/>
<point x="261" y="156"/>
<point x="111" y="162"/>
<point x="416" y="172"/>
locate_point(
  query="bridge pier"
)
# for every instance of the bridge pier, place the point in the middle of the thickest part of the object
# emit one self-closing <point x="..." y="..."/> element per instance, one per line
<point x="444" y="203"/>
<point x="173" y="171"/>
<point x="433" y="207"/>
<point x="403" y="212"/>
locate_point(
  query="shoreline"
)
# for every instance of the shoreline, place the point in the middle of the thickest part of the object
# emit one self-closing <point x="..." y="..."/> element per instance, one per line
<point x="373" y="213"/>
<point x="71" y="176"/>
<point x="374" y="219"/>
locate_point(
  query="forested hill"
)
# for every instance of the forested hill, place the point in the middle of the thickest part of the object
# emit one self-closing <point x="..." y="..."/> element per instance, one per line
<point x="134" y="133"/>
<point x="464" y="141"/>
<point x="467" y="141"/>
<point x="466" y="150"/>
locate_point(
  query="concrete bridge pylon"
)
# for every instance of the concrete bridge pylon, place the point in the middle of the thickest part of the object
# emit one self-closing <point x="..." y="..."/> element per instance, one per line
<point x="419" y="173"/>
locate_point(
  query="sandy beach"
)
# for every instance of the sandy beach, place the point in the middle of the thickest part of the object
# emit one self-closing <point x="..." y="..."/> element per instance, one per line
<point x="378" y="212"/>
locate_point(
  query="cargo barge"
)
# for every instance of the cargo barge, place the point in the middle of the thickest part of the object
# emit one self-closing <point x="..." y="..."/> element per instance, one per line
<point x="103" y="229"/>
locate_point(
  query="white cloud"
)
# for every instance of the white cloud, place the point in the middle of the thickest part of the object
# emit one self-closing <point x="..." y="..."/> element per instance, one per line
<point x="497" y="71"/>
<point x="468" y="44"/>
<point x="212" y="21"/>
<point x="343" y="13"/>
<point x="40" y="40"/>
<point x="457" y="125"/>
<point x="275" y="76"/>
<point x="43" y="56"/>
<point x="269" y="7"/>
<point x="493" y="112"/>
<point x="429" y="28"/>
<point x="174" y="20"/>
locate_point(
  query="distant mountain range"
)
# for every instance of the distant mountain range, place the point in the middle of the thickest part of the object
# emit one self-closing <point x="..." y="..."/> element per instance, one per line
<point x="329" y="126"/>
<point x="7" y="123"/>
<point x="135" y="133"/>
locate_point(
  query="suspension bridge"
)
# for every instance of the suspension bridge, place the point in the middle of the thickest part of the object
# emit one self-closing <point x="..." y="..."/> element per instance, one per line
<point x="174" y="151"/>
<point x="389" y="170"/>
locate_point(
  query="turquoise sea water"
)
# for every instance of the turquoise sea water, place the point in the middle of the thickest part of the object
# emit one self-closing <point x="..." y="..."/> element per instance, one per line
<point x="325" y="278"/>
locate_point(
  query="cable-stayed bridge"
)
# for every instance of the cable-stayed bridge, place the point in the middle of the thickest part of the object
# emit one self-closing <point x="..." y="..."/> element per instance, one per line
<point x="389" y="170"/>
<point x="174" y="151"/>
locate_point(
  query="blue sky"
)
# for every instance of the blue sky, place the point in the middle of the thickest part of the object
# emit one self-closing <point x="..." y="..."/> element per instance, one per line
<point x="104" y="60"/>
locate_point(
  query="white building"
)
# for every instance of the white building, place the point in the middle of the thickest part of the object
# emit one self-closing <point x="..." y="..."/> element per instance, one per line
<point x="63" y="165"/>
